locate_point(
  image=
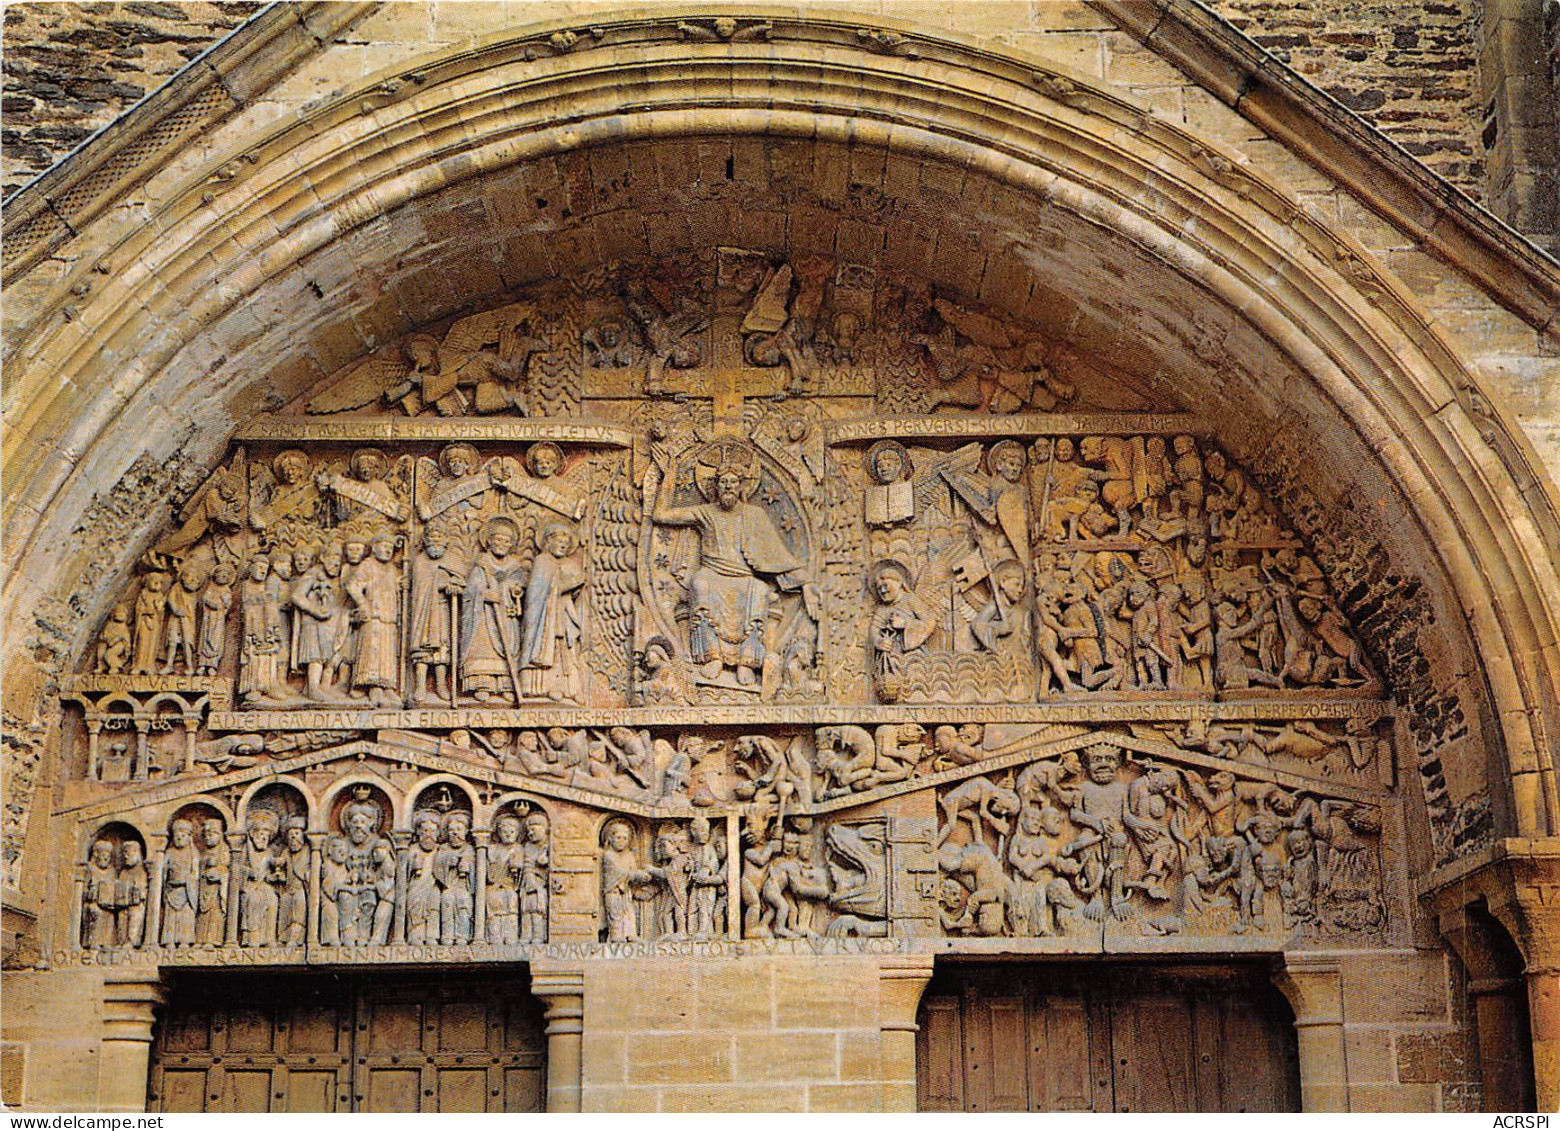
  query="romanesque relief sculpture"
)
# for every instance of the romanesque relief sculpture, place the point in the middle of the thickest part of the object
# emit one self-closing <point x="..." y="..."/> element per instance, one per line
<point x="727" y="579"/>
<point x="130" y="894"/>
<point x="181" y="883"/>
<point x="623" y="878"/>
<point x="776" y="771"/>
<point x="1094" y="838"/>
<point x="97" y="908"/>
<point x="176" y="622"/>
<point x="241" y="751"/>
<point x="373" y="591"/>
<point x="668" y="882"/>
<point x="113" y="655"/>
<point x="801" y="878"/>
<point x="1340" y="749"/>
<point x="215" y="601"/>
<point x="315" y="599"/>
<point x="261" y="637"/>
<point x="772" y="335"/>
<point x="210" y="525"/>
<point x="257" y="890"/>
<point x="211" y="900"/>
<point x="321" y="619"/>
<point x="496" y="589"/>
<point x="707" y="897"/>
<point x="550" y="639"/>
<point x="671" y="328"/>
<point x="955" y="615"/>
<point x="435" y="588"/>
<point x="455" y="872"/>
<point x="490" y="616"/>
<point x="890" y="497"/>
<point x="722" y="598"/>
<point x="440" y="882"/>
<point x="518" y="862"/>
<point x="181" y="634"/>
<point x="361" y="491"/>
<point x="422" y="888"/>
<point x="114" y="892"/>
<point x="285" y="504"/>
<point x="1140" y="583"/>
<point x="901" y="626"/>
<point x="290" y="875"/>
<point x="520" y="359"/>
<point x="358" y="879"/>
<point x="621" y="761"/>
<point x="985" y="365"/>
<point x="849" y="759"/>
<point x="150" y="612"/>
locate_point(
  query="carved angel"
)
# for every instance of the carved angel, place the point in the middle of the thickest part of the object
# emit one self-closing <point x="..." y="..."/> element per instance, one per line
<point x="670" y="327"/>
<point x="988" y="366"/>
<point x="217" y="510"/>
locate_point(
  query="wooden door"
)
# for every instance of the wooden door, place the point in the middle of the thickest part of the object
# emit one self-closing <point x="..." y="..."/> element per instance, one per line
<point x="311" y="1043"/>
<point x="1104" y="1038"/>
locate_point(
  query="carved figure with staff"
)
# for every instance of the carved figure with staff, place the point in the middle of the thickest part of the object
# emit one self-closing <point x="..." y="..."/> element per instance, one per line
<point x="489" y="622"/>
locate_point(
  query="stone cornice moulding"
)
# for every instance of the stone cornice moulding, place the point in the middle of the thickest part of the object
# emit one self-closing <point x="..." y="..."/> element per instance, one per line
<point x="1255" y="84"/>
<point x="51" y="209"/>
<point x="1518" y="879"/>
<point x="55" y="206"/>
<point x="1314" y="293"/>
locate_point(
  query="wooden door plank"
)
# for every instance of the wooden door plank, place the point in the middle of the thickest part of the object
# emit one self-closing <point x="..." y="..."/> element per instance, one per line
<point x="1081" y="1036"/>
<point x="1101" y="1047"/>
<point x="1007" y="1048"/>
<point x="1151" y="1046"/>
<point x="1061" y="1069"/>
<point x="1209" y="1052"/>
<point x="978" y="1087"/>
<point x="940" y="1054"/>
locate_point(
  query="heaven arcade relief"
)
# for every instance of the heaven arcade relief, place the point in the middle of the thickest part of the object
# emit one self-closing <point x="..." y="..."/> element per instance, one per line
<point x="726" y="603"/>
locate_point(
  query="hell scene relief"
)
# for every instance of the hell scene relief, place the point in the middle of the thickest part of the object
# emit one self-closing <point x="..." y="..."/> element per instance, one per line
<point x="725" y="600"/>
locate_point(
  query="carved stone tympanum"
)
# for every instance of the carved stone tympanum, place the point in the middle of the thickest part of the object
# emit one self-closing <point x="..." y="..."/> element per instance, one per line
<point x="729" y="599"/>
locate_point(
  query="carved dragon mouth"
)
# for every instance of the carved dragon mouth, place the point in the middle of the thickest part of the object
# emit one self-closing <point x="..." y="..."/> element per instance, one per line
<point x="856" y="870"/>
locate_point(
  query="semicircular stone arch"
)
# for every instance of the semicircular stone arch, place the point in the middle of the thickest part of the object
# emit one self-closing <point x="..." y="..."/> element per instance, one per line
<point x="869" y="450"/>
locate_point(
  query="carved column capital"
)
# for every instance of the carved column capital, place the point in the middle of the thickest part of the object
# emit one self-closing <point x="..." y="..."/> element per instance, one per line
<point x="1518" y="882"/>
<point x="562" y="992"/>
<point x="1518" y="879"/>
<point x="130" y="1005"/>
<point x="901" y="981"/>
<point x="1313" y="983"/>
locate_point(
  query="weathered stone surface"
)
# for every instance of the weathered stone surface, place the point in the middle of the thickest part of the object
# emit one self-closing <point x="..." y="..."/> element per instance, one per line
<point x="72" y="68"/>
<point x="724" y="573"/>
<point x="1409" y="70"/>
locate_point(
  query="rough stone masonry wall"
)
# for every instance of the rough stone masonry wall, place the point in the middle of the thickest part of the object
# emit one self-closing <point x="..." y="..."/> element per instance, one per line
<point x="1410" y="69"/>
<point x="70" y="69"/>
